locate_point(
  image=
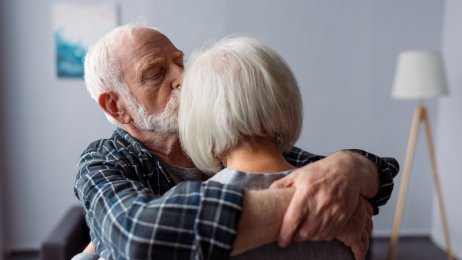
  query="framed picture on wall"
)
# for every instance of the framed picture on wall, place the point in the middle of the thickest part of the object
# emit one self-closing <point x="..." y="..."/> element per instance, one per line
<point x="76" y="26"/>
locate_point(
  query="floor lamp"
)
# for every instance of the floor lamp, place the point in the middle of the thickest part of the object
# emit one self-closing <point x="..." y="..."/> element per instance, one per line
<point x="419" y="75"/>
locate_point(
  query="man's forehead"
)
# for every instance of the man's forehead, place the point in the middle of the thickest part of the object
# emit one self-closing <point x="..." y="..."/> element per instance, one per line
<point x="156" y="42"/>
<point x="160" y="53"/>
<point x="147" y="44"/>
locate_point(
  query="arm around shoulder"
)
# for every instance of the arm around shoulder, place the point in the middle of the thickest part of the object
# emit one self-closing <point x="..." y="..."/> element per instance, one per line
<point x="128" y="220"/>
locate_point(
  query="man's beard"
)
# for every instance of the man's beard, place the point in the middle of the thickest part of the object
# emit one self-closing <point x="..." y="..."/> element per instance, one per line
<point x="164" y="122"/>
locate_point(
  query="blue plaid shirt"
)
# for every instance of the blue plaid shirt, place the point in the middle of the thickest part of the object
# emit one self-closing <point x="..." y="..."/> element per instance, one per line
<point x="135" y="211"/>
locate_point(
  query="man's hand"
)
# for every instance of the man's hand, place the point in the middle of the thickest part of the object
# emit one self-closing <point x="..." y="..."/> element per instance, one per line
<point x="90" y="248"/>
<point x="326" y="196"/>
<point x="357" y="230"/>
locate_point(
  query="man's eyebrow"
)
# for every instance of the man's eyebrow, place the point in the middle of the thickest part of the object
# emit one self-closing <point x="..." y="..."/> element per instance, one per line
<point x="152" y="63"/>
<point x="157" y="61"/>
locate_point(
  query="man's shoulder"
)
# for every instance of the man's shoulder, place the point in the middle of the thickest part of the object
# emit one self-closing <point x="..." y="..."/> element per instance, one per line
<point x="117" y="141"/>
<point x="98" y="145"/>
<point x="119" y="151"/>
<point x="115" y="150"/>
<point x="101" y="145"/>
<point x="120" y="155"/>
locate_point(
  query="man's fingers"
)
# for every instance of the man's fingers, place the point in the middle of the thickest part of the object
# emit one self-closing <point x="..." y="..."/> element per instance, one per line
<point x="358" y="247"/>
<point x="306" y="230"/>
<point x="365" y="241"/>
<point x="288" y="227"/>
<point x="328" y="218"/>
<point x="283" y="183"/>
<point x="358" y="252"/>
<point x="369" y="208"/>
<point x="369" y="226"/>
<point x="294" y="215"/>
<point x="365" y="224"/>
<point x="315" y="227"/>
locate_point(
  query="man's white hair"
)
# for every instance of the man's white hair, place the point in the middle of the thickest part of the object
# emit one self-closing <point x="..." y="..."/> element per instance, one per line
<point x="101" y="69"/>
<point x="235" y="90"/>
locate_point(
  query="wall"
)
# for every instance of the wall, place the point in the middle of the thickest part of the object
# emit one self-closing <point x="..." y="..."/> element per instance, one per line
<point x="2" y="133"/>
<point x="49" y="123"/>
<point x="450" y="126"/>
<point x="343" y="54"/>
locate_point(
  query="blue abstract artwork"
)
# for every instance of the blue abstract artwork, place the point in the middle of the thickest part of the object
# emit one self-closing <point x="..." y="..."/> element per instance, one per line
<point x="75" y="28"/>
<point x="69" y="57"/>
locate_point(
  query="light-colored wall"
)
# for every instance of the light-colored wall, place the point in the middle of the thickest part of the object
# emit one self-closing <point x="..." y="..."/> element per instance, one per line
<point x="2" y="134"/>
<point x="342" y="52"/>
<point x="49" y="121"/>
<point x="448" y="138"/>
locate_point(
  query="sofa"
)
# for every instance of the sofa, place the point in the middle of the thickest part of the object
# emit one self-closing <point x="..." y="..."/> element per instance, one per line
<point x="71" y="235"/>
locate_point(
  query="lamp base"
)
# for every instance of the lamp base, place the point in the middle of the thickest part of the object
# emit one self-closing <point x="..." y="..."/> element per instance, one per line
<point x="420" y="114"/>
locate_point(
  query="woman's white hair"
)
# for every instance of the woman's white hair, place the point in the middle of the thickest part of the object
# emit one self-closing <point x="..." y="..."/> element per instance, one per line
<point x="101" y="69"/>
<point x="235" y="90"/>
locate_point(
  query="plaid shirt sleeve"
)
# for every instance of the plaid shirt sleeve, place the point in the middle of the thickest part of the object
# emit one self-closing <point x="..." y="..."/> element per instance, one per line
<point x="387" y="168"/>
<point x="127" y="220"/>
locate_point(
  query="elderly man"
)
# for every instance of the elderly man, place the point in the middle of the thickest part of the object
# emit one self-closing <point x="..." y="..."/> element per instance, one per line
<point x="145" y="199"/>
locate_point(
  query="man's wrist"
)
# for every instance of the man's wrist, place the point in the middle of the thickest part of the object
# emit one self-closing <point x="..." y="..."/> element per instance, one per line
<point x="369" y="183"/>
<point x="384" y="177"/>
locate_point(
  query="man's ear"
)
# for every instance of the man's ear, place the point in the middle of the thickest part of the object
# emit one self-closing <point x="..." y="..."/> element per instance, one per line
<point x="109" y="102"/>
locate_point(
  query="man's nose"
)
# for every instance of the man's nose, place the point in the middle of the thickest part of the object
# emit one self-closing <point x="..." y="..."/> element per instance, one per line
<point x="177" y="74"/>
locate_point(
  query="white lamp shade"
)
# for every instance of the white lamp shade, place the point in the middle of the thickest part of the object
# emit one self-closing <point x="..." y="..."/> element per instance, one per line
<point x="419" y="75"/>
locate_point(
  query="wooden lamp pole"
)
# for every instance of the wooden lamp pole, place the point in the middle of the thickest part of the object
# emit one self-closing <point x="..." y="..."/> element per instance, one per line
<point x="420" y="114"/>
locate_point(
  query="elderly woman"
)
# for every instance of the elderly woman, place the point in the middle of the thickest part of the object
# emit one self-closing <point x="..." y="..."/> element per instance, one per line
<point x="240" y="109"/>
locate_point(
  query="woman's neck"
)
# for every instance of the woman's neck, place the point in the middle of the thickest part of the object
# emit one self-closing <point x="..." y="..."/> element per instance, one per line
<point x="263" y="156"/>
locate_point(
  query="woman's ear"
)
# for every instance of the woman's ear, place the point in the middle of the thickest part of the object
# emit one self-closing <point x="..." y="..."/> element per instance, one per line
<point x="109" y="102"/>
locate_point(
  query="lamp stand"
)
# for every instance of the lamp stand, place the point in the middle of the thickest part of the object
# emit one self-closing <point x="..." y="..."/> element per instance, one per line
<point x="420" y="114"/>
